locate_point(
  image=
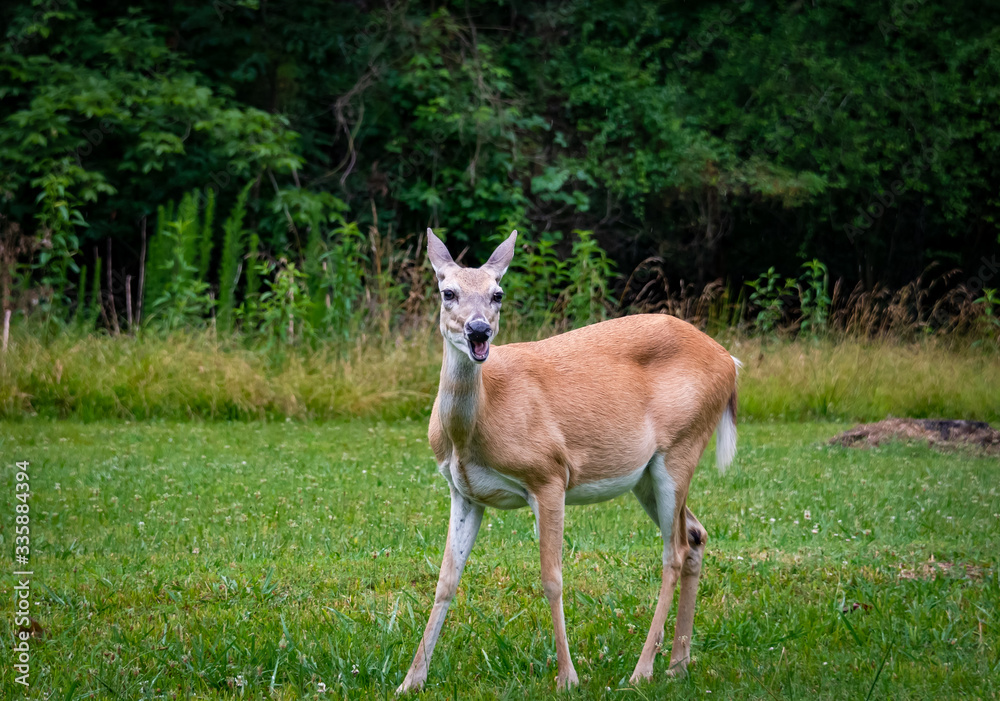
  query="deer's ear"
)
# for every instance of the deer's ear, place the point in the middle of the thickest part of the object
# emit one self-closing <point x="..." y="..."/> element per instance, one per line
<point x="501" y="258"/>
<point x="438" y="254"/>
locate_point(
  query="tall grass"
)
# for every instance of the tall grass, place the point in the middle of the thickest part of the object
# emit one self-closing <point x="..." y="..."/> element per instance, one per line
<point x="859" y="380"/>
<point x="195" y="375"/>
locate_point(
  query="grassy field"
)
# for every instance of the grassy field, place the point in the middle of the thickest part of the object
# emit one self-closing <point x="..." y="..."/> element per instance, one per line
<point x="182" y="560"/>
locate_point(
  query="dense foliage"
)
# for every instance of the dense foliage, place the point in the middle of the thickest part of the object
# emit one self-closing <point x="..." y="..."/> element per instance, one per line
<point x="685" y="143"/>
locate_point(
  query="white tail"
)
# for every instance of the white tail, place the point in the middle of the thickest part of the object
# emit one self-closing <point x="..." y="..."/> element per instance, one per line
<point x="624" y="405"/>
<point x="725" y="432"/>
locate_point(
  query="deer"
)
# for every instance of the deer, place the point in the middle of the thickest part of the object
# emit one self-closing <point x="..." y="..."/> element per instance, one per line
<point x="627" y="404"/>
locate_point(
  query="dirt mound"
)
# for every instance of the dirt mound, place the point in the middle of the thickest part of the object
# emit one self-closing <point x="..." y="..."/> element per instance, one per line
<point x="938" y="433"/>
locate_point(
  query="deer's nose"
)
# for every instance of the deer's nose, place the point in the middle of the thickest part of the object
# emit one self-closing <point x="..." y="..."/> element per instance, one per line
<point x="478" y="331"/>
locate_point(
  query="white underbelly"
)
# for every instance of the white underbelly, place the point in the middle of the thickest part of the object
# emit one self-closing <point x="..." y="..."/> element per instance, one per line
<point x="602" y="490"/>
<point x="485" y="485"/>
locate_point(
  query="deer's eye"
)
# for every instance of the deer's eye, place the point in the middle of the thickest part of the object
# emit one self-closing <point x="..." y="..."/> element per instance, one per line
<point x="497" y="297"/>
<point x="448" y="295"/>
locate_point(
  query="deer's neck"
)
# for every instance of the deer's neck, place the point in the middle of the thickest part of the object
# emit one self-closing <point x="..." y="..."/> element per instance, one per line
<point x="460" y="394"/>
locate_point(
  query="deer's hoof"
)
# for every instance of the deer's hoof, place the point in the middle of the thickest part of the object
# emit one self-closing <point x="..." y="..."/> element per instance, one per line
<point x="409" y="685"/>
<point x="570" y="681"/>
<point x="641" y="676"/>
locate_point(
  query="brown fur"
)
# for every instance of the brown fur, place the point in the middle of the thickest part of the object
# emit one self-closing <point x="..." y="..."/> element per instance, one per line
<point x="592" y="409"/>
<point x="592" y="403"/>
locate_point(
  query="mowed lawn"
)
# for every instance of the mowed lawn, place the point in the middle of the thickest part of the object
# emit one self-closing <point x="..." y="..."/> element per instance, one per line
<point x="183" y="560"/>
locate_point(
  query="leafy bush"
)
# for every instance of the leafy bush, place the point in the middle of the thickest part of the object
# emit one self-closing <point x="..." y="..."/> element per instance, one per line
<point x="342" y="284"/>
<point x="283" y="309"/>
<point x="184" y="300"/>
<point x="767" y="296"/>
<point x="990" y="302"/>
<point x="232" y="252"/>
<point x="589" y="274"/>
<point x="814" y="297"/>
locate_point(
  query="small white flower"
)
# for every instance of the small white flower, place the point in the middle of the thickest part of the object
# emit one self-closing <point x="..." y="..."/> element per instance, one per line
<point x="142" y="524"/>
<point x="806" y="515"/>
<point x="321" y="688"/>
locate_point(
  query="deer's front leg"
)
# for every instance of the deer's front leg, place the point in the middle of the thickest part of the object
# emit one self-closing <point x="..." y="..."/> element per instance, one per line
<point x="463" y="526"/>
<point x="551" y="507"/>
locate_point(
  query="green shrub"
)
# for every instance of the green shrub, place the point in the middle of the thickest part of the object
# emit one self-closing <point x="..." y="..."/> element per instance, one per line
<point x="767" y="297"/>
<point x="231" y="263"/>
<point x="206" y="235"/>
<point x="184" y="300"/>
<point x="588" y="271"/>
<point x="342" y="286"/>
<point x="814" y="298"/>
<point x="95" y="296"/>
<point x="284" y="309"/>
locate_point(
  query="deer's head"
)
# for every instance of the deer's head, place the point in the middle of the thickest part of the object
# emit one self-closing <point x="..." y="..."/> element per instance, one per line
<point x="470" y="297"/>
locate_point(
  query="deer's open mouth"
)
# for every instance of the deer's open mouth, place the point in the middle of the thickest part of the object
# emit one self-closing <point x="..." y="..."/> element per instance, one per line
<point x="480" y="350"/>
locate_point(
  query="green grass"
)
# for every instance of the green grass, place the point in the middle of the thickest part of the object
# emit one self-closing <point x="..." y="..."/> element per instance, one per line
<point x="171" y="559"/>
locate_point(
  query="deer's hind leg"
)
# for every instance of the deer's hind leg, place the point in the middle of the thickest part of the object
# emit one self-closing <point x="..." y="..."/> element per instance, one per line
<point x="664" y="497"/>
<point x="680" y="651"/>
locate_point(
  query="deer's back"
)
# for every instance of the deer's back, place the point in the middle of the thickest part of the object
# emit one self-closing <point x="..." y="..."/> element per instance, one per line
<point x="603" y="398"/>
